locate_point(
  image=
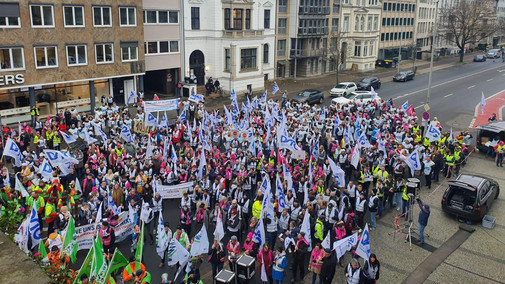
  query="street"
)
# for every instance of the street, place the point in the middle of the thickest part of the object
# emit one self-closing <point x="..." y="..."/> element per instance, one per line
<point x="455" y="93"/>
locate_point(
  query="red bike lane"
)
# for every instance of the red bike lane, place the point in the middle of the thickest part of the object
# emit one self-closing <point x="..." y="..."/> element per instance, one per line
<point x="494" y="104"/>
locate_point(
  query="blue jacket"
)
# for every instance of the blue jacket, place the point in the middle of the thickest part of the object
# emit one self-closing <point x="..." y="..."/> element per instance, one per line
<point x="279" y="270"/>
<point x="424" y="214"/>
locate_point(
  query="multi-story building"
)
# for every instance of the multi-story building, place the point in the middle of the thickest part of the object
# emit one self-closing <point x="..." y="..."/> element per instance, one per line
<point x="59" y="54"/>
<point x="162" y="39"/>
<point x="359" y="34"/>
<point x="425" y="20"/>
<point x="304" y="32"/>
<point x="398" y="29"/>
<point x="230" y="40"/>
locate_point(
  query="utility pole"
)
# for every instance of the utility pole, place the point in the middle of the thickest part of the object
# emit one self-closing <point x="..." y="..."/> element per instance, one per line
<point x="400" y="46"/>
<point x="296" y="36"/>
<point x="435" y="29"/>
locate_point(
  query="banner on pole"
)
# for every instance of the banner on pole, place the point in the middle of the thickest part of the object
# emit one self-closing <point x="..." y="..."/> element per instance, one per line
<point x="173" y="191"/>
<point x="165" y="105"/>
<point x="84" y="234"/>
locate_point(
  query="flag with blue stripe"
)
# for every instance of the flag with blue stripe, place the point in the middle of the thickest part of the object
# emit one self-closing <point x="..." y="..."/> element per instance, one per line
<point x="275" y="88"/>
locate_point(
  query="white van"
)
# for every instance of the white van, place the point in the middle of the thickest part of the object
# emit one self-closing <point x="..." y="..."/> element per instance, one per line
<point x="493" y="53"/>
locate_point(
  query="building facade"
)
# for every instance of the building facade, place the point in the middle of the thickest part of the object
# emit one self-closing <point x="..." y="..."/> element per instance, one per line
<point x="425" y="21"/>
<point x="233" y="41"/>
<point x="162" y="45"/>
<point x="359" y="34"/>
<point x="398" y="30"/>
<point x="59" y="54"/>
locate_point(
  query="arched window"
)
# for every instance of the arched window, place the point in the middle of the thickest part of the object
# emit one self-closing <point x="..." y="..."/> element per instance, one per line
<point x="356" y="24"/>
<point x="265" y="53"/>
<point x="362" y="24"/>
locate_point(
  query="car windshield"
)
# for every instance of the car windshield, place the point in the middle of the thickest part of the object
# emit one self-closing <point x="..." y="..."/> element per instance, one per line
<point x="304" y="94"/>
<point x="350" y="96"/>
<point x="366" y="80"/>
<point x="401" y="74"/>
<point x="341" y="86"/>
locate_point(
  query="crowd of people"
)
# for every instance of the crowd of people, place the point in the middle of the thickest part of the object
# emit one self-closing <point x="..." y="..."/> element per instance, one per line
<point x="314" y="158"/>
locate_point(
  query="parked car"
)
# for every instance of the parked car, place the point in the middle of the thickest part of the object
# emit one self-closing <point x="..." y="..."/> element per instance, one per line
<point x="366" y="83"/>
<point x="404" y="76"/>
<point x="479" y="58"/>
<point x="356" y="96"/>
<point x="310" y="97"/>
<point x="470" y="196"/>
<point x="493" y="131"/>
<point x="343" y="89"/>
<point x="493" y="53"/>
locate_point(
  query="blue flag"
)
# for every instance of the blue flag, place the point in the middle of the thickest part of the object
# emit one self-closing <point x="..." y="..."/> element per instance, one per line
<point x="275" y="88"/>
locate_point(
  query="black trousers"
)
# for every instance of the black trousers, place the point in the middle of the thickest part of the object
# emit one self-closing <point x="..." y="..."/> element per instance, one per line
<point x="299" y="264"/>
<point x="428" y="180"/>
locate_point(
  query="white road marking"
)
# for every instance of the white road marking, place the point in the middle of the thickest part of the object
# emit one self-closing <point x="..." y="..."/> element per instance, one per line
<point x="446" y="96"/>
<point x="489" y="80"/>
<point x="471" y="86"/>
<point x="419" y="106"/>
<point x="450" y="81"/>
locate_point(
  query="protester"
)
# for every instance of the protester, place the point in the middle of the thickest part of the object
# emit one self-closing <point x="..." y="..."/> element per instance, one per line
<point x="424" y="214"/>
<point x="371" y="270"/>
<point x="280" y="264"/>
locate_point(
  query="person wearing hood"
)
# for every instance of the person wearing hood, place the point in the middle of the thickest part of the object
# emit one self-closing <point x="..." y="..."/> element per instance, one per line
<point x="424" y="214"/>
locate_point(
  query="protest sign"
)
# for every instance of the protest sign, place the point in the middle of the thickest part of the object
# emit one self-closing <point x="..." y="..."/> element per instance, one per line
<point x="173" y="191"/>
<point x="165" y="105"/>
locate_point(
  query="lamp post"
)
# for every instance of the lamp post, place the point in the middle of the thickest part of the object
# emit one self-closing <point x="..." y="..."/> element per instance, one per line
<point x="435" y="28"/>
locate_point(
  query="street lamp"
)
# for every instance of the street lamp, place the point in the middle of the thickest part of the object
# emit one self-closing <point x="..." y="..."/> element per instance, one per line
<point x="435" y="28"/>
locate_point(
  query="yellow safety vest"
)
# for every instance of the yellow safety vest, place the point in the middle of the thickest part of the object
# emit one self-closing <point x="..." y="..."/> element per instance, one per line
<point x="449" y="160"/>
<point x="256" y="209"/>
<point x="404" y="194"/>
<point x="35" y="111"/>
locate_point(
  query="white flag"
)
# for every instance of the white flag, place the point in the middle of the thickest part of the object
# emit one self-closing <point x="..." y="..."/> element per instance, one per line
<point x="22" y="236"/>
<point x="363" y="141"/>
<point x="202" y="164"/>
<point x="327" y="241"/>
<point x="355" y="157"/>
<point x="89" y="139"/>
<point x="176" y="253"/>
<point x="482" y="102"/>
<point x="11" y="149"/>
<point x="201" y="243"/>
<point x="150" y="120"/>
<point x="164" y="122"/>
<point x="219" y="231"/>
<point x="306" y="229"/>
<point x="20" y="187"/>
<point x="99" y="133"/>
<point x="98" y="220"/>
<point x="150" y="148"/>
<point x="451" y="137"/>
<point x="68" y="139"/>
<point x="413" y="162"/>
<point x="264" y="277"/>
<point x="34" y="226"/>
<point x="345" y="245"/>
<point x="433" y="133"/>
<point x="275" y="88"/>
<point x="363" y="248"/>
<point x="338" y="173"/>
<point x="259" y="234"/>
<point x="280" y="195"/>
<point x="126" y="134"/>
<point x="131" y="97"/>
<point x="161" y="237"/>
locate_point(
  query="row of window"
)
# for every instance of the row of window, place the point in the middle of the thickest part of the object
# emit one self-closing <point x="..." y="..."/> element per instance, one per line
<point x="160" y="17"/>
<point x="424" y="27"/>
<point x="391" y="22"/>
<point x="359" y="23"/>
<point x="364" y="48"/>
<point x="248" y="59"/>
<point x="396" y="36"/>
<point x="42" y="16"/>
<point x="400" y="7"/>
<point x="77" y="55"/>
<point x="362" y="2"/>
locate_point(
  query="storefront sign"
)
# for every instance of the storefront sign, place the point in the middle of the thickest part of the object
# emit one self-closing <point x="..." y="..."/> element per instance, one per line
<point x="84" y="234"/>
<point x="139" y="127"/>
<point x="9" y="80"/>
<point x="165" y="105"/>
<point x="173" y="191"/>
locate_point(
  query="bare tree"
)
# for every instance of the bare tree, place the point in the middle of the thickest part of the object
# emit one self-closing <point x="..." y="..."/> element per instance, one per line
<point x="468" y="23"/>
<point x="336" y="51"/>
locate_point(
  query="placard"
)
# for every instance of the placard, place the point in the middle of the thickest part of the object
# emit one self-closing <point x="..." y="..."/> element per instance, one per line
<point x="173" y="191"/>
<point x="84" y="234"/>
<point x="298" y="154"/>
<point x="165" y="105"/>
<point x="139" y="127"/>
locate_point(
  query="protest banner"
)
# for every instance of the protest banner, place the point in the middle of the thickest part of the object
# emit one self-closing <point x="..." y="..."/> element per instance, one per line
<point x="173" y="191"/>
<point x="196" y="98"/>
<point x="165" y="105"/>
<point x="139" y="127"/>
<point x="84" y="234"/>
<point x="298" y="154"/>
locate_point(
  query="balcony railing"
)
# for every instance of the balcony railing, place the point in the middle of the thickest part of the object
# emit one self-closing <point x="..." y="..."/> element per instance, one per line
<point x="312" y="10"/>
<point x="307" y="52"/>
<point x="243" y="34"/>
<point x="313" y="31"/>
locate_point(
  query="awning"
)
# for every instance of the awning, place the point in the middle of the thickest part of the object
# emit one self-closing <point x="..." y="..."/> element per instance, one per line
<point x="9" y="10"/>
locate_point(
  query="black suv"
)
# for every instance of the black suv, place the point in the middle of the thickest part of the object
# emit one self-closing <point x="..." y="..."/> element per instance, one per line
<point x="470" y="196"/>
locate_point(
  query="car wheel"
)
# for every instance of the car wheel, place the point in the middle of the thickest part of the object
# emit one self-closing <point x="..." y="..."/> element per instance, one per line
<point x="321" y="100"/>
<point x="378" y="86"/>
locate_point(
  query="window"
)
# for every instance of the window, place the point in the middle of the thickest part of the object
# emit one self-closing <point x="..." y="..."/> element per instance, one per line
<point x="9" y="17"/>
<point x="346" y="23"/>
<point x="387" y="36"/>
<point x="369" y="23"/>
<point x="248" y="58"/>
<point x="237" y="19"/>
<point x="281" y="48"/>
<point x="372" y="48"/>
<point x="266" y="20"/>
<point x="129" y="51"/>
<point x="161" y="17"/>
<point x="195" y="18"/>
<point x="357" y="48"/>
<point x="376" y="23"/>
<point x="334" y="25"/>
<point x="265" y="53"/>
<point x="227" y="14"/>
<point x="73" y="16"/>
<point x="283" y="6"/>
<point x="127" y="16"/>
<point x="161" y="47"/>
<point x="356" y="24"/>
<point x="77" y="55"/>
<point x="248" y="19"/>
<point x="42" y="16"/>
<point x="362" y="24"/>
<point x="227" y="59"/>
<point x="46" y="57"/>
<point x="281" y="28"/>
<point x="12" y="59"/>
<point x="102" y="17"/>
<point x="365" y="49"/>
<point x="104" y="53"/>
<point x="382" y="37"/>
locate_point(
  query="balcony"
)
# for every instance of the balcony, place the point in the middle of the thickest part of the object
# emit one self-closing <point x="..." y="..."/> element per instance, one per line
<point x="313" y="10"/>
<point x="300" y="53"/>
<point x="313" y="31"/>
<point x="243" y="34"/>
